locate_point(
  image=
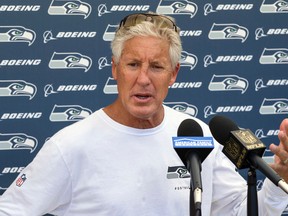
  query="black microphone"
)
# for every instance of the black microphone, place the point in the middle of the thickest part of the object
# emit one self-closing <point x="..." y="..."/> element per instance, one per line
<point x="243" y="148"/>
<point x="193" y="148"/>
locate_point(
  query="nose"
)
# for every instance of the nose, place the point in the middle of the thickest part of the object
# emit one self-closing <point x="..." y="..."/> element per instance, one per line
<point x="143" y="76"/>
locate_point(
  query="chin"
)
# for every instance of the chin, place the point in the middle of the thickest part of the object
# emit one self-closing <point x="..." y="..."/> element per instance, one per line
<point x="145" y="113"/>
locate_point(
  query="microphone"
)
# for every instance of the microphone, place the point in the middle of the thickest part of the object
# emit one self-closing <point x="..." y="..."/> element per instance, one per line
<point x="243" y="148"/>
<point x="193" y="148"/>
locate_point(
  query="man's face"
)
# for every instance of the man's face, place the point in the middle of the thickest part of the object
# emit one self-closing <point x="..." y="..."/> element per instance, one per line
<point x="143" y="75"/>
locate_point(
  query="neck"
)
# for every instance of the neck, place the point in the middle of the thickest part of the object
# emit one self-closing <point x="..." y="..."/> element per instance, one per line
<point x="127" y="119"/>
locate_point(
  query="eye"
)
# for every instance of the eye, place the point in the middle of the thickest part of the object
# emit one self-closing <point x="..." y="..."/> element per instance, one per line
<point x="72" y="6"/>
<point x="133" y="65"/>
<point x="16" y="32"/>
<point x="232" y="30"/>
<point x="156" y="67"/>
<point x="17" y="86"/>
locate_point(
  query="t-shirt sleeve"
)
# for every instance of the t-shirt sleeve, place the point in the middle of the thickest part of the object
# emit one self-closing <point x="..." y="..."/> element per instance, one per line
<point x="44" y="186"/>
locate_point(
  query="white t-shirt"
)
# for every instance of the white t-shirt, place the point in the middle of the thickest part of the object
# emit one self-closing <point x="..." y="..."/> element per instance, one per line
<point x="100" y="167"/>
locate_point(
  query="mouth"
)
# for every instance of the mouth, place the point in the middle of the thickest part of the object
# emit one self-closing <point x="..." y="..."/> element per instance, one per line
<point x="143" y="97"/>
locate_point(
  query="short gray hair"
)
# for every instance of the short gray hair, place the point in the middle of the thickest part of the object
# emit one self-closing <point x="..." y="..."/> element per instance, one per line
<point x="147" y="28"/>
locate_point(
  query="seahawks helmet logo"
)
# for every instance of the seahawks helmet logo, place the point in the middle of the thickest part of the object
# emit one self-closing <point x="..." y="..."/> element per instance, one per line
<point x="17" y="34"/>
<point x="183" y="107"/>
<point x="110" y="86"/>
<point x="109" y="33"/>
<point x="11" y="88"/>
<point x="274" y="56"/>
<point x="228" y="83"/>
<point x="274" y="106"/>
<point x="69" y="7"/>
<point x="177" y="172"/>
<point x="69" y="113"/>
<point x="228" y="32"/>
<point x="177" y="7"/>
<point x="17" y="141"/>
<point x="188" y="60"/>
<point x="274" y="6"/>
<point x="70" y="60"/>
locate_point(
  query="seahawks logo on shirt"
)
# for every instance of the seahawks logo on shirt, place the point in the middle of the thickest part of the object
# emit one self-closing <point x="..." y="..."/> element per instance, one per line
<point x="177" y="172"/>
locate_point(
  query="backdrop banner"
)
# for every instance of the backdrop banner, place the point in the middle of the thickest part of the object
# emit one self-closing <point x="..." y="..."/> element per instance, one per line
<point x="55" y="67"/>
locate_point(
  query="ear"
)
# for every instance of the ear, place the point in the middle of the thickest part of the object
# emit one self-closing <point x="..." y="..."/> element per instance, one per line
<point x="114" y="69"/>
<point x="174" y="74"/>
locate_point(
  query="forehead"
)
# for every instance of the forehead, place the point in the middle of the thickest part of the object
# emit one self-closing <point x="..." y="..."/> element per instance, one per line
<point x="146" y="46"/>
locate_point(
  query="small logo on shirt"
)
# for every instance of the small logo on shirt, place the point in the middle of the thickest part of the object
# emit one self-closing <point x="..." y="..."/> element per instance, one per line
<point x="20" y="181"/>
<point x="177" y="172"/>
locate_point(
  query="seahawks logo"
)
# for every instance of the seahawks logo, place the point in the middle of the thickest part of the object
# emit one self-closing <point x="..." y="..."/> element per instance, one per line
<point x="274" y="6"/>
<point x="188" y="60"/>
<point x="17" y="141"/>
<point x="70" y="60"/>
<point x="69" y="7"/>
<point x="109" y="33"/>
<point x="110" y="86"/>
<point x="183" y="107"/>
<point x="228" y="32"/>
<point x="228" y="83"/>
<point x="274" y="56"/>
<point x="69" y="113"/>
<point x="274" y="106"/>
<point x="177" y="172"/>
<point x="11" y="88"/>
<point x="177" y="7"/>
<point x="17" y="34"/>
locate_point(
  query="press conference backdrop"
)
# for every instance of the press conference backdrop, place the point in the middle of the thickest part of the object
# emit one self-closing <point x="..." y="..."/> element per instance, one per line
<point x="55" y="67"/>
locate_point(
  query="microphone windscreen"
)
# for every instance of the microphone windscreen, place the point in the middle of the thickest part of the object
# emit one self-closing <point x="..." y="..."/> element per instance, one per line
<point x="220" y="127"/>
<point x="189" y="127"/>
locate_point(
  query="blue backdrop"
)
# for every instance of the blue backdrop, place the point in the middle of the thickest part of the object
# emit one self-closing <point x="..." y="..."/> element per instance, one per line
<point x="55" y="67"/>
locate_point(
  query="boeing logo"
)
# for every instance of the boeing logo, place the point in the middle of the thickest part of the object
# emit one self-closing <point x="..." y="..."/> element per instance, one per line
<point x="20" y="62"/>
<point x="185" y="85"/>
<point x="208" y="59"/>
<point x="103" y="62"/>
<point x="21" y="115"/>
<point x="22" y="8"/>
<point x="260" y="33"/>
<point x="208" y="8"/>
<point x="208" y="110"/>
<point x="259" y="83"/>
<point x="260" y="134"/>
<point x="48" y="35"/>
<point x="48" y="89"/>
<point x="102" y="8"/>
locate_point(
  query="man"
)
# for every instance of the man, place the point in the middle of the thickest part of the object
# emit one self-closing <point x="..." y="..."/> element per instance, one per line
<point x="115" y="161"/>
